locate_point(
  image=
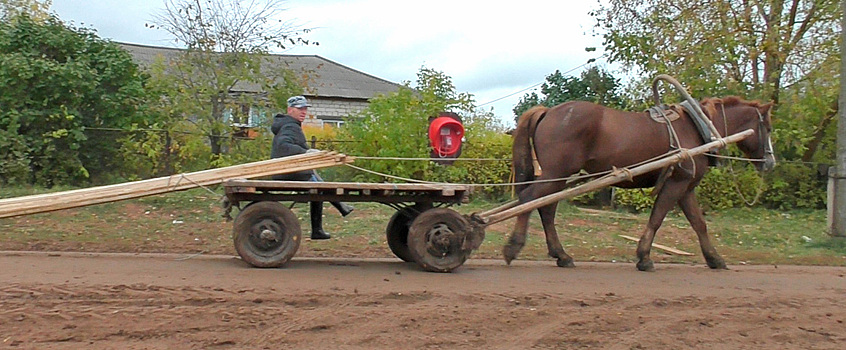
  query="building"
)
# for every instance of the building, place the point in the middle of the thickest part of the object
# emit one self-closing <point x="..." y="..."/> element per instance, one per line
<point x="334" y="90"/>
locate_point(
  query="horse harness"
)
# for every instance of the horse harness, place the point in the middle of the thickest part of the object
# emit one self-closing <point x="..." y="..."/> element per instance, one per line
<point x="762" y="129"/>
<point x="667" y="114"/>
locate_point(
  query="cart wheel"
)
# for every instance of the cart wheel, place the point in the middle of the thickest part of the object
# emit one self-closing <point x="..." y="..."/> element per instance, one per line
<point x="267" y="234"/>
<point x="435" y="239"/>
<point x="397" y="230"/>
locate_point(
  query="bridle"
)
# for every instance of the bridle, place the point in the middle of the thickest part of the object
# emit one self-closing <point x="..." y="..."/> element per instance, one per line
<point x="762" y="130"/>
<point x="768" y="145"/>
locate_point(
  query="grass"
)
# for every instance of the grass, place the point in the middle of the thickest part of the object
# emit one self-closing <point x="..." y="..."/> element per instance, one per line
<point x="190" y="222"/>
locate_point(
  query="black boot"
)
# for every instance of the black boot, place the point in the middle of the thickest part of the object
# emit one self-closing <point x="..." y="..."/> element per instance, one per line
<point x="316" y="214"/>
<point x="343" y="208"/>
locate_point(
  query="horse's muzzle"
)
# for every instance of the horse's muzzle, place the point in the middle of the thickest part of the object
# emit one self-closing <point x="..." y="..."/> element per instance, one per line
<point x="768" y="163"/>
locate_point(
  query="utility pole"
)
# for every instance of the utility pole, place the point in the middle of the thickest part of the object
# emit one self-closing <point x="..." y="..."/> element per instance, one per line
<point x="837" y="178"/>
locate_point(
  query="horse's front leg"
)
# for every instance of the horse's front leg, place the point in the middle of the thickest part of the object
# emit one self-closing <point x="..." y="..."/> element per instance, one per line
<point x="667" y="198"/>
<point x="517" y="239"/>
<point x="690" y="206"/>
<point x="553" y="245"/>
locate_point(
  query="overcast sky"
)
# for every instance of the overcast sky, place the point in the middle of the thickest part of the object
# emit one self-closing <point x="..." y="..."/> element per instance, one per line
<point x="491" y="49"/>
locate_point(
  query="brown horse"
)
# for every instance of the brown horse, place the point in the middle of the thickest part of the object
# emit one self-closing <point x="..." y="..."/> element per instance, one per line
<point x="577" y="135"/>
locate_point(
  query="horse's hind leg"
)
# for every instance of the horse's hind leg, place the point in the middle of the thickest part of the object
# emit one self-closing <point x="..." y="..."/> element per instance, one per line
<point x="693" y="213"/>
<point x="518" y="236"/>
<point x="553" y="245"/>
<point x="517" y="239"/>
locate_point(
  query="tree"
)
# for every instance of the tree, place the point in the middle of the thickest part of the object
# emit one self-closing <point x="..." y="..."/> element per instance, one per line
<point x="753" y="48"/>
<point x="37" y="10"/>
<point x="220" y="74"/>
<point x="594" y="84"/>
<point x="61" y="87"/>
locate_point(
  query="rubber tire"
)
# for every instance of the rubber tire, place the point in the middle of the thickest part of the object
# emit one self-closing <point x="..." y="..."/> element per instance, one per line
<point x="396" y="232"/>
<point x="257" y="217"/>
<point x="420" y="235"/>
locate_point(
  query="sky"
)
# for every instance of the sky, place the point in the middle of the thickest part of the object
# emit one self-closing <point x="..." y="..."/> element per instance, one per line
<point x="498" y="51"/>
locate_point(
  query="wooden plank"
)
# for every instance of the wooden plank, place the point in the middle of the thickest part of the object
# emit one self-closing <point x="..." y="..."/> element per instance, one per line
<point x="249" y="168"/>
<point x="662" y="247"/>
<point x="104" y="194"/>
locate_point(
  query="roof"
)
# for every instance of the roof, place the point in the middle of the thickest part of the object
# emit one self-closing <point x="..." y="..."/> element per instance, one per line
<point x="326" y="78"/>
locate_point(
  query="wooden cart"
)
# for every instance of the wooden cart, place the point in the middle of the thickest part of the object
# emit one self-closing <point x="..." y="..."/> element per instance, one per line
<point x="268" y="234"/>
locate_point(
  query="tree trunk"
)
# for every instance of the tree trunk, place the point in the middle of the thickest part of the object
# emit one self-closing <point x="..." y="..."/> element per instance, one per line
<point x="819" y="132"/>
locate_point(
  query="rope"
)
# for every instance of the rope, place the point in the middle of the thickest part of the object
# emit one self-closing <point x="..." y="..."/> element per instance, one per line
<point x="182" y="176"/>
<point x="407" y="158"/>
<point x="736" y="158"/>
<point x="569" y="178"/>
<point x="736" y="186"/>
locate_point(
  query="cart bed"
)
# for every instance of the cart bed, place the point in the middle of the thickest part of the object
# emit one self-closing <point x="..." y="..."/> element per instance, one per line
<point x="238" y="190"/>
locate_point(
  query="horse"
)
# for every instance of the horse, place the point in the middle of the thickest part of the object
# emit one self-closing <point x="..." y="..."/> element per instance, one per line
<point x="579" y="135"/>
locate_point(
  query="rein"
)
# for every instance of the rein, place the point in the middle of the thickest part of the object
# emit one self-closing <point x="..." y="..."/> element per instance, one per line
<point x="767" y="150"/>
<point x="768" y="147"/>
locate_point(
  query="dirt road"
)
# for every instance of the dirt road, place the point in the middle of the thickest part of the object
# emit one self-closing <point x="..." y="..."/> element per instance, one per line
<point x="125" y="301"/>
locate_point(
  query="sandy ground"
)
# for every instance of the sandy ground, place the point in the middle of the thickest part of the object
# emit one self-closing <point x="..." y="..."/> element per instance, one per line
<point x="142" y="301"/>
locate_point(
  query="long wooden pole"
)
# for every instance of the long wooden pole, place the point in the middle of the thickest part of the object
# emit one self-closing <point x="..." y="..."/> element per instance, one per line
<point x="837" y="174"/>
<point x="103" y="194"/>
<point x="617" y="176"/>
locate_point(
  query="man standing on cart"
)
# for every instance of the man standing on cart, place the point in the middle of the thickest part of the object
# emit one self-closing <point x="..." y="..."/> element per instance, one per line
<point x="288" y="140"/>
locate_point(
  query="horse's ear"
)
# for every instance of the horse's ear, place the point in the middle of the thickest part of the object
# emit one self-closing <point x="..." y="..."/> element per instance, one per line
<point x="709" y="106"/>
<point x="765" y="108"/>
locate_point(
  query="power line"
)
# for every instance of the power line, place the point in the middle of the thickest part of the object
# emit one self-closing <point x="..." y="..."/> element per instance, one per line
<point x="538" y="84"/>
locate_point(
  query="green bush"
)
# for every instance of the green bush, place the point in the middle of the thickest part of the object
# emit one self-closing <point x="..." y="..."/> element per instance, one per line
<point x="730" y="186"/>
<point x="61" y="87"/>
<point x="794" y="186"/>
<point x="721" y="188"/>
<point x="634" y="199"/>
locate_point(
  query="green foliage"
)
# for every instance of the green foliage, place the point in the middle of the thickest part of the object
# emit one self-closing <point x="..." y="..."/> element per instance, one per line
<point x="35" y="9"/>
<point x="721" y="188"/>
<point x="732" y="186"/>
<point x="634" y="199"/>
<point x="594" y="85"/>
<point x="794" y="186"/>
<point x="740" y="47"/>
<point x="391" y="126"/>
<point x="396" y="126"/>
<point x="805" y="126"/>
<point x="774" y="50"/>
<point x="62" y="85"/>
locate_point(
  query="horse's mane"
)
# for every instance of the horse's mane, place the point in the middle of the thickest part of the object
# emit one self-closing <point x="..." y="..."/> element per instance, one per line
<point x="730" y="101"/>
<point x="709" y="105"/>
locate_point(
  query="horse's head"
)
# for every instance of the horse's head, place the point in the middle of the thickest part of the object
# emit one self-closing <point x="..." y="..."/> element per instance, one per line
<point x="737" y="115"/>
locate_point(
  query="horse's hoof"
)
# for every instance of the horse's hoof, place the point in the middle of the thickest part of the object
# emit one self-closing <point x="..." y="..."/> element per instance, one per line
<point x="646" y="266"/>
<point x="509" y="252"/>
<point x="717" y="264"/>
<point x="565" y="262"/>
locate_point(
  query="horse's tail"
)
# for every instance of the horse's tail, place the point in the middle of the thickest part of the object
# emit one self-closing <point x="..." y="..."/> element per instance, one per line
<point x="522" y="149"/>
